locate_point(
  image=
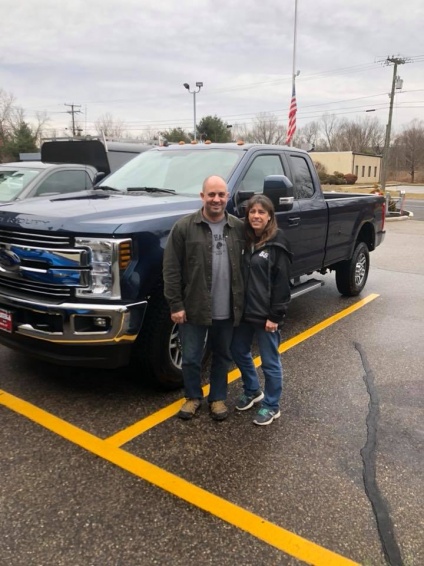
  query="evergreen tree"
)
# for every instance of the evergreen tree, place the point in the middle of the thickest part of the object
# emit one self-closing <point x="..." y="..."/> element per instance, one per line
<point x="214" y="129"/>
<point x="20" y="140"/>
<point x="175" y="135"/>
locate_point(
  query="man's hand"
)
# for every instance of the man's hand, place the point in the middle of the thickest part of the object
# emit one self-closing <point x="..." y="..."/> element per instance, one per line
<point x="179" y="317"/>
<point x="271" y="326"/>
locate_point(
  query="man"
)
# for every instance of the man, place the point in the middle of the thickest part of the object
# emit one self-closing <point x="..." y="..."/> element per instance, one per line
<point x="204" y="289"/>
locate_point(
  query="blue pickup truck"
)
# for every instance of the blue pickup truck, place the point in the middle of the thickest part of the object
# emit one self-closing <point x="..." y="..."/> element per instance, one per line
<point x="81" y="274"/>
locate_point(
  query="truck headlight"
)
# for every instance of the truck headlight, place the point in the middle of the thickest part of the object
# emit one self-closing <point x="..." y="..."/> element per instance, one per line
<point x="107" y="258"/>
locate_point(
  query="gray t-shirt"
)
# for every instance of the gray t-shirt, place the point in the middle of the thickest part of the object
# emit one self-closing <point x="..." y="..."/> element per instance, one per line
<point x="221" y="272"/>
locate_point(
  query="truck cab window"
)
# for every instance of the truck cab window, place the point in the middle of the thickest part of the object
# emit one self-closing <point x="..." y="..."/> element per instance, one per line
<point x="302" y="178"/>
<point x="261" y="167"/>
<point x="65" y="182"/>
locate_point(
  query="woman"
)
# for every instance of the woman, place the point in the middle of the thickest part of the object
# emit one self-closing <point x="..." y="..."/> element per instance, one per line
<point x="267" y="292"/>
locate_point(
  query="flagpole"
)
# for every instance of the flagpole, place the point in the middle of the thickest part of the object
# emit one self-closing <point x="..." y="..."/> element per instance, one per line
<point x="294" y="41"/>
<point x="294" y="56"/>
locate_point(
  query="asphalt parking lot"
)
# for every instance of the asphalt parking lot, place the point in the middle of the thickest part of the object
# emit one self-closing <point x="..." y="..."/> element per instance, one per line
<point x="97" y="471"/>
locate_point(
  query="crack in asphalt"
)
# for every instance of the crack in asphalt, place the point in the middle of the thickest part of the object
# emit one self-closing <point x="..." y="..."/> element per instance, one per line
<point x="368" y="453"/>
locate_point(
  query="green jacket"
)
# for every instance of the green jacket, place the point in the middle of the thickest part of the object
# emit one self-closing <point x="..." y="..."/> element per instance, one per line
<point x="187" y="267"/>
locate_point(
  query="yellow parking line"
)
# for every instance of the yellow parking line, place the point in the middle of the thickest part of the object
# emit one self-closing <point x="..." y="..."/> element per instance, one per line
<point x="326" y="323"/>
<point x="127" y="434"/>
<point x="134" y="430"/>
<point x="266" y="531"/>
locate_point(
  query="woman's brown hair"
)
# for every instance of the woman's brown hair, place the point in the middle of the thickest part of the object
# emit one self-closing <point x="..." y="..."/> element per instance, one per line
<point x="270" y="228"/>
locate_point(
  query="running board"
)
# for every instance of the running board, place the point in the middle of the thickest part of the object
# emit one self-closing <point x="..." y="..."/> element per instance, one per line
<point x="302" y="288"/>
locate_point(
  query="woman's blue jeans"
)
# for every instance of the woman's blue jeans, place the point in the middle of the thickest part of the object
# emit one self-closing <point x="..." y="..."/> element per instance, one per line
<point x="193" y="338"/>
<point x="268" y="342"/>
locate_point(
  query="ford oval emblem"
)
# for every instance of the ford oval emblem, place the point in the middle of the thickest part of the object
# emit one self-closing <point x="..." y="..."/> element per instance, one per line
<point x="9" y="261"/>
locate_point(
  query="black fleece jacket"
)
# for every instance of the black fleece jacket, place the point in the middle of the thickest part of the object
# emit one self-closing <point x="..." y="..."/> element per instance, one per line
<point x="266" y="273"/>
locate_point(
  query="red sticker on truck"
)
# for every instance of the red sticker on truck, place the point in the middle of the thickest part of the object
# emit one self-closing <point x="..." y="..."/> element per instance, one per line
<point x="5" y="320"/>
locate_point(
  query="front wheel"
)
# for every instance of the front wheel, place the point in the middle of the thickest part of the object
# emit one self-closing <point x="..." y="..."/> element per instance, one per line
<point x="159" y="345"/>
<point x="352" y="274"/>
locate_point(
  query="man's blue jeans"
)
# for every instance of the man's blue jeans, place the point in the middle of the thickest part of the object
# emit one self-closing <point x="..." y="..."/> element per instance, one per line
<point x="193" y="338"/>
<point x="268" y="342"/>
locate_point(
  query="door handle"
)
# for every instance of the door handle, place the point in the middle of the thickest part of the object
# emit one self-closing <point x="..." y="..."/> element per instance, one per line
<point x="294" y="220"/>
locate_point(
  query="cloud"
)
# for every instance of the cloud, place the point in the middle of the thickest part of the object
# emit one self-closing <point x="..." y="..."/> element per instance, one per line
<point x="130" y="58"/>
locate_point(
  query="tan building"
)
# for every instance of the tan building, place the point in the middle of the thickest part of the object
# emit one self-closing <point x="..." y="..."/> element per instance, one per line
<point x="365" y="167"/>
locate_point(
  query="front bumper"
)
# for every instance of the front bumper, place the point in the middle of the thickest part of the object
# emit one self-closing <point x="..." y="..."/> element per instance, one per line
<point x="64" y="333"/>
<point x="73" y="323"/>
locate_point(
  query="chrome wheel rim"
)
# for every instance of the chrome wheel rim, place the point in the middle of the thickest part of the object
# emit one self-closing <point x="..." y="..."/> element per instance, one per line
<point x="175" y="349"/>
<point x="360" y="269"/>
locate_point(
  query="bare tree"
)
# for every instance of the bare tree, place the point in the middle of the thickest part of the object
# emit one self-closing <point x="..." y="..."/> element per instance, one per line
<point x="362" y="136"/>
<point x="12" y="117"/>
<point x="329" y="128"/>
<point x="16" y="133"/>
<point x="239" y="132"/>
<point x="308" y="136"/>
<point x="108" y="126"/>
<point x="7" y="116"/>
<point x="407" y="152"/>
<point x="266" y="129"/>
<point x="39" y="128"/>
<point x="148" y="135"/>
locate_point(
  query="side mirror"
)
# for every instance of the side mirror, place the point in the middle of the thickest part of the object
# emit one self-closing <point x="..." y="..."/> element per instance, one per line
<point x="98" y="177"/>
<point x="279" y="189"/>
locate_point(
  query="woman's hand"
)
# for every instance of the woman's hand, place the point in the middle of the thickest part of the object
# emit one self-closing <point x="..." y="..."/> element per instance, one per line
<point x="271" y="326"/>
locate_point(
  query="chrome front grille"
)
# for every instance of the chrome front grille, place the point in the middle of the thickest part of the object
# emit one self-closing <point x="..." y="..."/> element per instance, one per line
<point x="41" y="264"/>
<point x="29" y="239"/>
<point x="39" y="289"/>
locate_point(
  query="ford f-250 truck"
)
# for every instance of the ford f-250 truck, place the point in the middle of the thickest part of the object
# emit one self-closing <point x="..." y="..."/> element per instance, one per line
<point x="81" y="274"/>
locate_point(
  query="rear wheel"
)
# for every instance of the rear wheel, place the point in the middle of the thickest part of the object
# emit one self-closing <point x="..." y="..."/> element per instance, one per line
<point x="352" y="274"/>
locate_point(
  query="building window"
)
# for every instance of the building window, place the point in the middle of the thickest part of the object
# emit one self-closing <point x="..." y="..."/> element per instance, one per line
<point x="369" y="170"/>
<point x="356" y="170"/>
<point x="375" y="172"/>
<point x="363" y="170"/>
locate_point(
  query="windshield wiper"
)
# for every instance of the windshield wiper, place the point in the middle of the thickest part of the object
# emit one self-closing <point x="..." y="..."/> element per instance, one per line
<point x="106" y="188"/>
<point x="150" y="190"/>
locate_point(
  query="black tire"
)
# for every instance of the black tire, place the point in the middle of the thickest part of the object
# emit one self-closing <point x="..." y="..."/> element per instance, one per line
<point x="352" y="274"/>
<point x="159" y="346"/>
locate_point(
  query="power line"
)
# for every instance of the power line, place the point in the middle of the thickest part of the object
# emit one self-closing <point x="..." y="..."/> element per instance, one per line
<point x="165" y="122"/>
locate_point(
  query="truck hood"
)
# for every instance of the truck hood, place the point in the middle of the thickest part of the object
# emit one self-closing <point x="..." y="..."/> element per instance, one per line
<point x="97" y="213"/>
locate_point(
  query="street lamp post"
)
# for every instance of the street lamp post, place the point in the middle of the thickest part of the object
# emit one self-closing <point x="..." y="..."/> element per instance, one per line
<point x="194" y="92"/>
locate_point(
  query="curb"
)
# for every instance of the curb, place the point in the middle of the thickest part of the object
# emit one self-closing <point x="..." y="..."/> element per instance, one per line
<point x="406" y="216"/>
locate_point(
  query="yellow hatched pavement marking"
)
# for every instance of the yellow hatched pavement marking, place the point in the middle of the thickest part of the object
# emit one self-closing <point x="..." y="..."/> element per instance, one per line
<point x="134" y="430"/>
<point x="266" y="531"/>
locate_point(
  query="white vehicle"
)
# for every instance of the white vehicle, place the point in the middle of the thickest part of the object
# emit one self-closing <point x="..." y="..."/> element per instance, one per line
<point x="66" y="166"/>
<point x="29" y="179"/>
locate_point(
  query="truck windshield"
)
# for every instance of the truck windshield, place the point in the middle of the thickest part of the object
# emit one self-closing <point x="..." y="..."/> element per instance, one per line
<point x="182" y="170"/>
<point x="13" y="181"/>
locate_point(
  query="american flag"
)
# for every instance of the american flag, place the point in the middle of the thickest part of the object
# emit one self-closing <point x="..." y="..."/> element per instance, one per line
<point x="291" y="128"/>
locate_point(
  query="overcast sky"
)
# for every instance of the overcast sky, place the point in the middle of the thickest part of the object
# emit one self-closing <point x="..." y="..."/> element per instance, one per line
<point x="130" y="58"/>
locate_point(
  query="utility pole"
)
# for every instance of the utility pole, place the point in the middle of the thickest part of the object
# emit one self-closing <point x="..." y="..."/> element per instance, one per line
<point x="395" y="61"/>
<point x="72" y="111"/>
